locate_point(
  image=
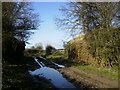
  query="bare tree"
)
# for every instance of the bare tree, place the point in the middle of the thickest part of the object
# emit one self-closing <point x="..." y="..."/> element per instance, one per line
<point x="86" y="16"/>
<point x="100" y="21"/>
<point x="18" y="19"/>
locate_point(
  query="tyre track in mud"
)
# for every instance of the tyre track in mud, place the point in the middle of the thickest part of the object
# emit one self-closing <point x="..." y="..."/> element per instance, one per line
<point x="88" y="78"/>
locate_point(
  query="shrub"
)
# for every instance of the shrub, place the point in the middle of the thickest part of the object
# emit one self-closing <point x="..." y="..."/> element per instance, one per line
<point x="49" y="50"/>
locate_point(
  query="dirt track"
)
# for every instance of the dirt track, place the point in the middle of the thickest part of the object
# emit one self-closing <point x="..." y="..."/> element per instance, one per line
<point x="88" y="78"/>
<point x="85" y="78"/>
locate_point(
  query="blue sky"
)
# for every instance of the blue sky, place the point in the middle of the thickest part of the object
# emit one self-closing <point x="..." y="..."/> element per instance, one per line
<point x="48" y="33"/>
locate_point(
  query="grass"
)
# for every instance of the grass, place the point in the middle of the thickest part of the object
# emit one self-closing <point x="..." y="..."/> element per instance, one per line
<point x="111" y="75"/>
<point x="16" y="76"/>
<point x="85" y="67"/>
<point x="13" y="76"/>
<point x="102" y="71"/>
<point x="55" y="56"/>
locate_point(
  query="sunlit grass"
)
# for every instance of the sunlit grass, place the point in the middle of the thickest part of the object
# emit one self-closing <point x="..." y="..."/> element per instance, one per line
<point x="102" y="71"/>
<point x="55" y="56"/>
<point x="85" y="67"/>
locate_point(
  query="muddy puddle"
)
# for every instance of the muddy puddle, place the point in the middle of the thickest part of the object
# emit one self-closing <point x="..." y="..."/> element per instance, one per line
<point x="50" y="74"/>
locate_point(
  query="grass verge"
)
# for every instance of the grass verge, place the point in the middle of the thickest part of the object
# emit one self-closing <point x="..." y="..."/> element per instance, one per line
<point x="102" y="71"/>
<point x="60" y="59"/>
<point x="55" y="56"/>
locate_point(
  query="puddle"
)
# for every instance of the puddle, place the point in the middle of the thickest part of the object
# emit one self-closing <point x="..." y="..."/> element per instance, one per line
<point x="38" y="62"/>
<point x="61" y="66"/>
<point x="55" y="77"/>
<point x="43" y="58"/>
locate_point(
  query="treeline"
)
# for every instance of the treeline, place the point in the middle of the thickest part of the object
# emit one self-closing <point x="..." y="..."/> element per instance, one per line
<point x="100" y="23"/>
<point x="17" y="21"/>
<point x="104" y="45"/>
<point x="37" y="49"/>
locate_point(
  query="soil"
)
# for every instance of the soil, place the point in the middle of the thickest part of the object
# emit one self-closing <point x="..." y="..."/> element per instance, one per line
<point x="16" y="76"/>
<point x="85" y="78"/>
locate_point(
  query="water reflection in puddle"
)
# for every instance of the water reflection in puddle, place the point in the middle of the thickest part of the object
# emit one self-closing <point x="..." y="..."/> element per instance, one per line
<point x="55" y="77"/>
<point x="61" y="66"/>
